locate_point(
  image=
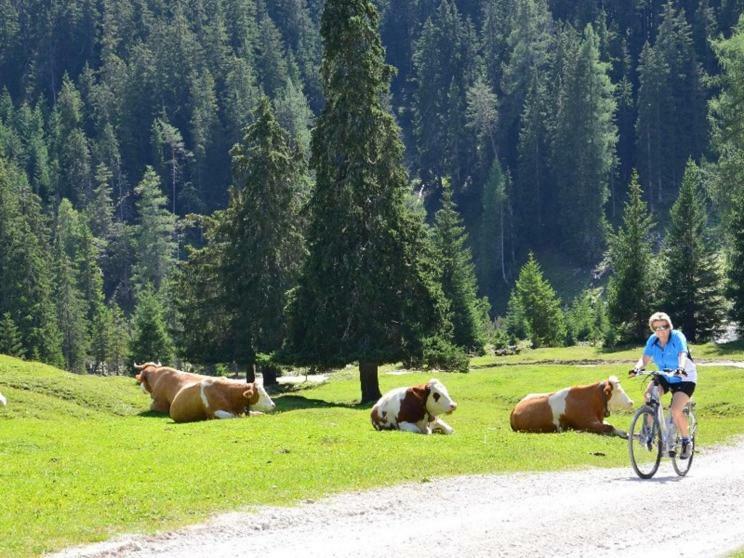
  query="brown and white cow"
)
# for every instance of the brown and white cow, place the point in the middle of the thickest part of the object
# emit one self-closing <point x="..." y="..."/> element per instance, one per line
<point x="577" y="407"/>
<point x="219" y="398"/>
<point x="163" y="383"/>
<point x="414" y="409"/>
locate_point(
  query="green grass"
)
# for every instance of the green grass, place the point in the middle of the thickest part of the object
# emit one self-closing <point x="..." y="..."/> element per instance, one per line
<point x="82" y="460"/>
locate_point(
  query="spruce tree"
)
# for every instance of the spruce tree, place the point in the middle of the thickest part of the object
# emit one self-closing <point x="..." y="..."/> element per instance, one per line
<point x="10" y="338"/>
<point x="583" y="155"/>
<point x="368" y="291"/>
<point x="630" y="292"/>
<point x="691" y="289"/>
<point x="458" y="274"/>
<point x="155" y="247"/>
<point x="150" y="338"/>
<point x="26" y="278"/>
<point x="735" y="272"/>
<point x="493" y="234"/>
<point x="538" y="302"/>
<point x="262" y="260"/>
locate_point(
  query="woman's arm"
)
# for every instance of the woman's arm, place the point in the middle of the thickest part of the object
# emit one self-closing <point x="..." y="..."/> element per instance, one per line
<point x="642" y="362"/>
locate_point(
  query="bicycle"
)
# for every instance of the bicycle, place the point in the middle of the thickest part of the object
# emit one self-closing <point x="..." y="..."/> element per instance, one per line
<point x="651" y="435"/>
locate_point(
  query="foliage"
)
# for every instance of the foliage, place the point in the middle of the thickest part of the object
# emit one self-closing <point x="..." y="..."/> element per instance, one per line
<point x="368" y="291"/>
<point x="691" y="287"/>
<point x="630" y="289"/>
<point x="536" y="307"/>
<point x="150" y="340"/>
<point x="458" y="275"/>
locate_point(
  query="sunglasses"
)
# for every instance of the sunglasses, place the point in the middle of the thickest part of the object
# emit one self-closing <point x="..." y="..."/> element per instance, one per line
<point x="661" y="328"/>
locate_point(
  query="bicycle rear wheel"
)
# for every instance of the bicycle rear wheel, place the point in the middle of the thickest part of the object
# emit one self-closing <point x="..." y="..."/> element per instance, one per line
<point x="682" y="466"/>
<point x="644" y="443"/>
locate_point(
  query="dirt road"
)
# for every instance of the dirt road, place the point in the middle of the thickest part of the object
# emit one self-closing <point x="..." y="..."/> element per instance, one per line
<point x="604" y="512"/>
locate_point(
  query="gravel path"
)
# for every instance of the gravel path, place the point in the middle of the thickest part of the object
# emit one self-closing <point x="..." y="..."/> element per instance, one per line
<point x="608" y="512"/>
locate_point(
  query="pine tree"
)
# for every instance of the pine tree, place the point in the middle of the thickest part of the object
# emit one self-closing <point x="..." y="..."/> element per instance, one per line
<point x="630" y="292"/>
<point x="458" y="274"/>
<point x="155" y="246"/>
<point x="493" y="233"/>
<point x="26" y="279"/>
<point x="368" y="290"/>
<point x="691" y="289"/>
<point x="583" y="149"/>
<point x="536" y="300"/>
<point x="728" y="128"/>
<point x="262" y="260"/>
<point x="150" y="338"/>
<point x="10" y="338"/>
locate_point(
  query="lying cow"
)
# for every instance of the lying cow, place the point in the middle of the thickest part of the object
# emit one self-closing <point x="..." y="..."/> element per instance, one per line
<point x="163" y="383"/>
<point x="414" y="409"/>
<point x="219" y="398"/>
<point x="578" y="408"/>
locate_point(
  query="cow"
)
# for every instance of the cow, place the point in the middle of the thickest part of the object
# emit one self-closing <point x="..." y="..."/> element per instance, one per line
<point x="578" y="407"/>
<point x="163" y="383"/>
<point x="414" y="409"/>
<point x="219" y="398"/>
<point x="3" y="401"/>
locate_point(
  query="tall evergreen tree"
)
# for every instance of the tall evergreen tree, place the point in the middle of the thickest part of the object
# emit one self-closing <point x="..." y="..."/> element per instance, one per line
<point x="735" y="270"/>
<point x="630" y="292"/>
<point x="492" y="259"/>
<point x="26" y="279"/>
<point x="535" y="300"/>
<point x="154" y="234"/>
<point x="584" y="149"/>
<point x="150" y="339"/>
<point x="691" y="289"/>
<point x="367" y="292"/>
<point x="458" y="274"/>
<point x="262" y="261"/>
<point x="10" y="337"/>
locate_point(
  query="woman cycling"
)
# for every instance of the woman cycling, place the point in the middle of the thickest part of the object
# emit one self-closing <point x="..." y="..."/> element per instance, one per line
<point x="668" y="349"/>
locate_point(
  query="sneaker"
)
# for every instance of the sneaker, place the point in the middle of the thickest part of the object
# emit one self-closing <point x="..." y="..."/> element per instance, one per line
<point x="686" y="449"/>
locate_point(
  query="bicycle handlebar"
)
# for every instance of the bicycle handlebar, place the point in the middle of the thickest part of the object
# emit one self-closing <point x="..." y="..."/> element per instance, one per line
<point x="643" y="372"/>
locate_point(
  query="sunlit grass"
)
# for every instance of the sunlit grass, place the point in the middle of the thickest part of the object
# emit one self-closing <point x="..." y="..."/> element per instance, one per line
<point x="82" y="460"/>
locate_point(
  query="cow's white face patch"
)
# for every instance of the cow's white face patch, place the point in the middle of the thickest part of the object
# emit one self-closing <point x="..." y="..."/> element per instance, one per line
<point x="264" y="403"/>
<point x="439" y="400"/>
<point x="619" y="400"/>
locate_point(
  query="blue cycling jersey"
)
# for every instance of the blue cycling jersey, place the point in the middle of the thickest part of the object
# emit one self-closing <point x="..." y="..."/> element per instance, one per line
<point x="667" y="357"/>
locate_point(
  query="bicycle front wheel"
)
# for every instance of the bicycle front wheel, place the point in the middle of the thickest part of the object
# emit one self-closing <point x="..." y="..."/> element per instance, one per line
<point x="644" y="443"/>
<point x="682" y="466"/>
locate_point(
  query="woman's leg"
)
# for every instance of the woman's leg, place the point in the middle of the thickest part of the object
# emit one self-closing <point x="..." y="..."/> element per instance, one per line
<point x="679" y="400"/>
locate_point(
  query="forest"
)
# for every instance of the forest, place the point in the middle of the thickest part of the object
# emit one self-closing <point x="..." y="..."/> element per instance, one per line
<point x="232" y="183"/>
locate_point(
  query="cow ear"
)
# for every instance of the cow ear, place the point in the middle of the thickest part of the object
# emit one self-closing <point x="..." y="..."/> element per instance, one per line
<point x="608" y="388"/>
<point x="139" y="378"/>
<point x="247" y="394"/>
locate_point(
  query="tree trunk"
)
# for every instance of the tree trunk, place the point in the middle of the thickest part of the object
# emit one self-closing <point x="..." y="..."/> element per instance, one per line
<point x="269" y="374"/>
<point x="369" y="382"/>
<point x="250" y="373"/>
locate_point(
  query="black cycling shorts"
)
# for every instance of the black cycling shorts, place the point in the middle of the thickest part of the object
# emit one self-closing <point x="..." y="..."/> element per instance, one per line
<point x="684" y="387"/>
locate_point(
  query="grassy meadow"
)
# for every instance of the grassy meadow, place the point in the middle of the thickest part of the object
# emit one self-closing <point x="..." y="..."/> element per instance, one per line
<point x="83" y="459"/>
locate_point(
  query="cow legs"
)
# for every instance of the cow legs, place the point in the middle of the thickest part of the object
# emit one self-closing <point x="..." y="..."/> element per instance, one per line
<point x="220" y="414"/>
<point x="159" y="406"/>
<point x="414" y="427"/>
<point x="438" y="425"/>
<point x="599" y="427"/>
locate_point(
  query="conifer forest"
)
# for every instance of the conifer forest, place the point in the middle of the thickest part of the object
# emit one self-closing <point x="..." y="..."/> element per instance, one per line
<point x="233" y="184"/>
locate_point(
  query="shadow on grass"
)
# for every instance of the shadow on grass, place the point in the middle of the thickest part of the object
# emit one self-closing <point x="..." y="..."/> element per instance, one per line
<point x="728" y="348"/>
<point x="290" y="402"/>
<point x="152" y="414"/>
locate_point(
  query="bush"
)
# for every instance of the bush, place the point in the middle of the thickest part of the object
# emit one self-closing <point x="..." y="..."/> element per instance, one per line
<point x="442" y="354"/>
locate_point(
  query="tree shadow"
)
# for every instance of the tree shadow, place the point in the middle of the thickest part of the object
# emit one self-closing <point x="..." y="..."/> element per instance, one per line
<point x="291" y="402"/>
<point x="728" y="348"/>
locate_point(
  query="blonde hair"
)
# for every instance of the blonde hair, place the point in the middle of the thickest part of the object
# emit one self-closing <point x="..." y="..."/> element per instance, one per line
<point x="659" y="316"/>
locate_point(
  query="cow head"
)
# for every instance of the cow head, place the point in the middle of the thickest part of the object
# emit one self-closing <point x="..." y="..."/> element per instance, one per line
<point x="258" y="399"/>
<point x="439" y="401"/>
<point x="144" y="375"/>
<point x="617" y="399"/>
